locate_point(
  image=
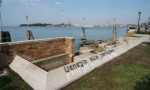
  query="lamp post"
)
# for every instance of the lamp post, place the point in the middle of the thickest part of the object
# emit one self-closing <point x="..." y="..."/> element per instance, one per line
<point x="1" y="16"/>
<point x="148" y="21"/>
<point x="1" y="28"/>
<point x="139" y="13"/>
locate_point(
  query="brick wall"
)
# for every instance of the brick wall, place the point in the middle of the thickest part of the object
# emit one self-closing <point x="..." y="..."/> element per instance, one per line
<point x="130" y="34"/>
<point x="36" y="49"/>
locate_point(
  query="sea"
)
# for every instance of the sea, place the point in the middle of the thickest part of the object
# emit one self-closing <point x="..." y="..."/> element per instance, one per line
<point x="95" y="33"/>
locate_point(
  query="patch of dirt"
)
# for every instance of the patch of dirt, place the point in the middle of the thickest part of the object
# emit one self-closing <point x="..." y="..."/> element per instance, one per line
<point x="145" y="61"/>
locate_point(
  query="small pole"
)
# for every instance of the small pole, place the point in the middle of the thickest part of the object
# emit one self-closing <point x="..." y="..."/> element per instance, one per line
<point x="83" y="25"/>
<point x="27" y="22"/>
<point x="115" y="28"/>
<point x="114" y="35"/>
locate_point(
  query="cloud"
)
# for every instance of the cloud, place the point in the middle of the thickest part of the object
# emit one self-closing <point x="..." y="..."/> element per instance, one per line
<point x="35" y="4"/>
<point x="29" y="2"/>
<point x="9" y="1"/>
<point x="58" y="3"/>
<point x="23" y="2"/>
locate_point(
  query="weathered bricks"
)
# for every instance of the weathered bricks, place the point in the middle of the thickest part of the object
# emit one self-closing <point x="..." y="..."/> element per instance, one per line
<point x="36" y="49"/>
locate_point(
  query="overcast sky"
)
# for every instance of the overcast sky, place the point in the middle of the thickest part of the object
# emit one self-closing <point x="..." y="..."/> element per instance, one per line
<point x="59" y="11"/>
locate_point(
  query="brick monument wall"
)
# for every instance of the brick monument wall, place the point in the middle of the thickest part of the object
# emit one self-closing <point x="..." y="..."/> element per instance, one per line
<point x="36" y="49"/>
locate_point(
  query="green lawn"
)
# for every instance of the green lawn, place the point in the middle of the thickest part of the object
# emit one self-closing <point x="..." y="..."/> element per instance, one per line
<point x="13" y="82"/>
<point x="130" y="71"/>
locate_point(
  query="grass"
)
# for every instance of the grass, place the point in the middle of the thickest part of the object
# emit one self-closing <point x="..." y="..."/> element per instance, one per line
<point x="130" y="71"/>
<point x="144" y="32"/>
<point x="13" y="82"/>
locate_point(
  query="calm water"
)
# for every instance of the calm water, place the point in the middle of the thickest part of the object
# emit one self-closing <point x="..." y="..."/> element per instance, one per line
<point x="19" y="33"/>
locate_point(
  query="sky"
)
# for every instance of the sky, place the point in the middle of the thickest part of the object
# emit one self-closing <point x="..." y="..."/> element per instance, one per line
<point x="91" y="12"/>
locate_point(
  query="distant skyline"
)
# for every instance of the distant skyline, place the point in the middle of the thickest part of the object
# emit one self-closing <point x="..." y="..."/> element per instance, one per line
<point x="92" y="12"/>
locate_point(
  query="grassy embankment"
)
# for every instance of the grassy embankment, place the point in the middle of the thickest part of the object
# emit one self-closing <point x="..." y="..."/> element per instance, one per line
<point x="13" y="82"/>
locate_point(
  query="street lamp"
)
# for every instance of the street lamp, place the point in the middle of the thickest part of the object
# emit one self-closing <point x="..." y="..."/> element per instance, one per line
<point x="148" y="21"/>
<point x="1" y="28"/>
<point x="139" y="13"/>
<point x="1" y="16"/>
